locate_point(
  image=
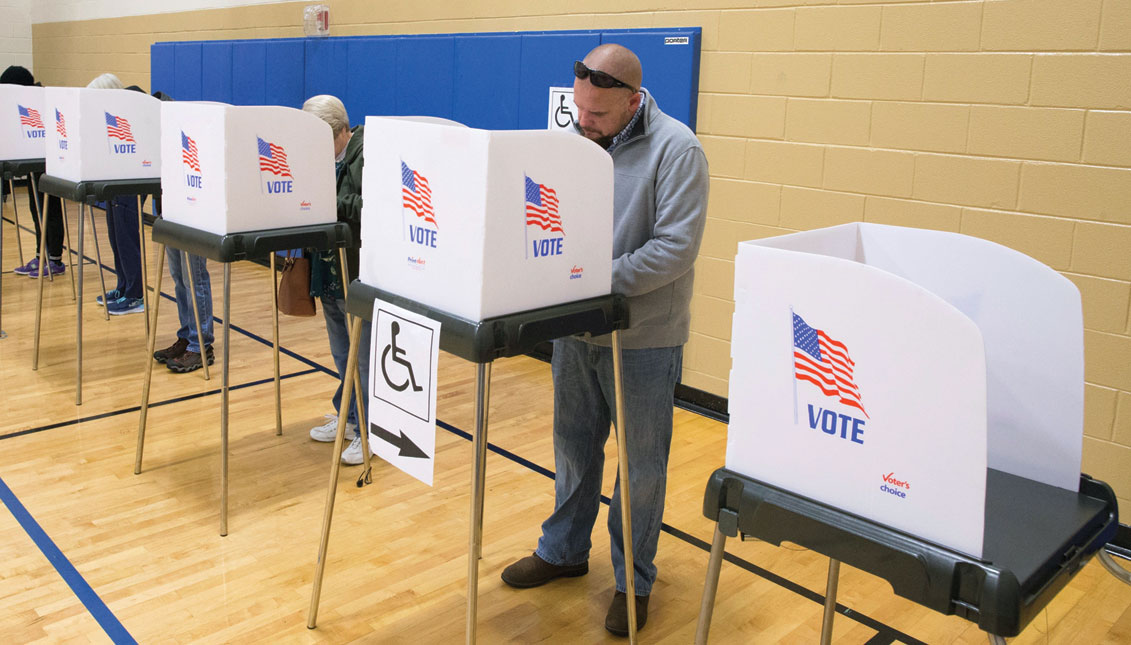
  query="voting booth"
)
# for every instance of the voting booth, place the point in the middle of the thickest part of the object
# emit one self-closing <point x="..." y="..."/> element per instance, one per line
<point x="102" y="134"/>
<point x="23" y="131"/>
<point x="916" y="385"/>
<point x="451" y="213"/>
<point x="503" y="240"/>
<point x="241" y="183"/>
<point x="236" y="169"/>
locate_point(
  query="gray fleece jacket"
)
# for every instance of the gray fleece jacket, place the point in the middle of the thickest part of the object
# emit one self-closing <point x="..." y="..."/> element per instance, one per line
<point x="659" y="210"/>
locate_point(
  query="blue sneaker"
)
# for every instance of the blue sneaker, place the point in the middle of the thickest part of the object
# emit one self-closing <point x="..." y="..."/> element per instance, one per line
<point x="32" y="265"/>
<point x="53" y="266"/>
<point x="111" y="295"/>
<point x="124" y="305"/>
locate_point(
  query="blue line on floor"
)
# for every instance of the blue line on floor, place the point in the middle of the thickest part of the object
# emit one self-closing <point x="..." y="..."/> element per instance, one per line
<point x="67" y="571"/>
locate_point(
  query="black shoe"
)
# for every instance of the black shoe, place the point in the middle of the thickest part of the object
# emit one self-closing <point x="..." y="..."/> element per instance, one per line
<point x="616" y="621"/>
<point x="533" y="571"/>
<point x="172" y="351"/>
<point x="189" y="361"/>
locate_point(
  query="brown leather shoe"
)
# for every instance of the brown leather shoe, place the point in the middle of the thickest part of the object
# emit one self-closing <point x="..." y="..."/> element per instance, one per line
<point x="533" y="571"/>
<point x="616" y="621"/>
<point x="172" y="351"/>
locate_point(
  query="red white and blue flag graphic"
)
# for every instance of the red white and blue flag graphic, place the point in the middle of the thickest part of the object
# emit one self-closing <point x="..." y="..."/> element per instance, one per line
<point x="416" y="194"/>
<point x="118" y="128"/>
<point x="60" y="124"/>
<point x="824" y="361"/>
<point x="188" y="152"/>
<point x="273" y="159"/>
<point x="30" y="118"/>
<point x="542" y="207"/>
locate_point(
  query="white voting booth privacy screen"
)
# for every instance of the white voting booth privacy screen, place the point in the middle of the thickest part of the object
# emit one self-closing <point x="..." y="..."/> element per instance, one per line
<point x="233" y="169"/>
<point x="882" y="369"/>
<point x="95" y="135"/>
<point x="23" y="126"/>
<point x="481" y="223"/>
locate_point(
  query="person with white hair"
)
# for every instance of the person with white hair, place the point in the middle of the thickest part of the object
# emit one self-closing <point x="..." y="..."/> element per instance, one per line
<point x="326" y="281"/>
<point x="127" y="296"/>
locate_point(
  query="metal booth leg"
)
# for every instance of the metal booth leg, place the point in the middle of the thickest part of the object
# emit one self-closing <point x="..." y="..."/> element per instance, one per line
<point x="187" y="270"/>
<point x="151" y="345"/>
<point x="275" y="347"/>
<point x="830" y="602"/>
<point x="711" y="586"/>
<point x="42" y="256"/>
<point x="335" y="466"/>
<point x="625" y="500"/>
<point x="70" y="249"/>
<point x="478" y="479"/>
<point x="1113" y="567"/>
<point x="144" y="262"/>
<point x="98" y="257"/>
<point x="224" y="402"/>
<point x="996" y="640"/>
<point x="359" y="393"/>
<point x="16" y="217"/>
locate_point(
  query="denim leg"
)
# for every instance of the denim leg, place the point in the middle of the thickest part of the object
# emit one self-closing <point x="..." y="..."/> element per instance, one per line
<point x="337" y="330"/>
<point x="581" y="427"/>
<point x="649" y="377"/>
<point x="199" y="268"/>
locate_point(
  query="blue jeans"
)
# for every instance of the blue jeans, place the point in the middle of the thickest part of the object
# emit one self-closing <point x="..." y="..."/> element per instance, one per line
<point x="203" y="286"/>
<point x="334" y="311"/>
<point x="584" y="406"/>
<point x="121" y="228"/>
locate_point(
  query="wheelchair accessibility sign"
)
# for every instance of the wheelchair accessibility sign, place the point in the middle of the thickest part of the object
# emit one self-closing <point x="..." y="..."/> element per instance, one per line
<point x="402" y="402"/>
<point x="563" y="112"/>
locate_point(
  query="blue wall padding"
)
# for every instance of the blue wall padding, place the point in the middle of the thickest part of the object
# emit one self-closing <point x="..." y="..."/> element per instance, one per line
<point x="492" y="80"/>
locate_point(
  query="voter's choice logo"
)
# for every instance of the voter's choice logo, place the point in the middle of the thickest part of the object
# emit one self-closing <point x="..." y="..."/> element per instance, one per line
<point x="404" y="355"/>
<point x="897" y="487"/>
<point x="563" y="111"/>
<point x="824" y="362"/>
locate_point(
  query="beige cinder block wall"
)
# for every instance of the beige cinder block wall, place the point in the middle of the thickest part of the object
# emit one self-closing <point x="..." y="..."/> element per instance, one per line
<point x="1004" y="119"/>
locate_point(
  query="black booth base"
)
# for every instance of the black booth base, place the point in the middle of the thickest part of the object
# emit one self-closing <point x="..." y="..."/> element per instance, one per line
<point x="98" y="191"/>
<point x="251" y="245"/>
<point x="519" y="333"/>
<point x="1036" y="538"/>
<point x="12" y="168"/>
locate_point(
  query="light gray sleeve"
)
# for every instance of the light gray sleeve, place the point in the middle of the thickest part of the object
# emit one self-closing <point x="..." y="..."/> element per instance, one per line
<point x="681" y="213"/>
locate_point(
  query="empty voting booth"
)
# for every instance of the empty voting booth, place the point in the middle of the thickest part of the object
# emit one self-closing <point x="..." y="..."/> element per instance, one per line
<point x="102" y="144"/>
<point x="889" y="410"/>
<point x="23" y="138"/>
<point x="241" y="183"/>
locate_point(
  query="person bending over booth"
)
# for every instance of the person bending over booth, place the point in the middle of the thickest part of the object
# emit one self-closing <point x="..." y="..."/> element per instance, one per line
<point x="659" y="210"/>
<point x="16" y="75"/>
<point x="326" y="279"/>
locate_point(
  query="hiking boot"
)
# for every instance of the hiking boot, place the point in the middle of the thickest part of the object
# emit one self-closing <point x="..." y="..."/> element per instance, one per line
<point x="533" y="571"/>
<point x="616" y="621"/>
<point x="54" y="266"/>
<point x="172" y="351"/>
<point x="189" y="361"/>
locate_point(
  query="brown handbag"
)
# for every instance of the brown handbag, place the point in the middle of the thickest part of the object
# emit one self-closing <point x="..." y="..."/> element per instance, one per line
<point x="294" y="287"/>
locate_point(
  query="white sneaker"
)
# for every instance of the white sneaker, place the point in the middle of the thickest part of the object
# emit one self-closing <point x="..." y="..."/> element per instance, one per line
<point x="352" y="455"/>
<point x="328" y="431"/>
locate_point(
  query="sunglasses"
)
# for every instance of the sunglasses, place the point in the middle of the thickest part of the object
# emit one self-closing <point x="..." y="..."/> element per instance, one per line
<point x="597" y="77"/>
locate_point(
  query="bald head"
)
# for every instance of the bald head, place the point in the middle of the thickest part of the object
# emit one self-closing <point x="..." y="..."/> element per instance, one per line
<point x="616" y="61"/>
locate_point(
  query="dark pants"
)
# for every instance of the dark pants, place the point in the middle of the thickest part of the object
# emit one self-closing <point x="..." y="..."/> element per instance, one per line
<point x="54" y="218"/>
<point x="121" y="226"/>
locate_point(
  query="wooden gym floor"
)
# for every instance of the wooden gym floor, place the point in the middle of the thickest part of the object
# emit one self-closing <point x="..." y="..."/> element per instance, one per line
<point x="90" y="552"/>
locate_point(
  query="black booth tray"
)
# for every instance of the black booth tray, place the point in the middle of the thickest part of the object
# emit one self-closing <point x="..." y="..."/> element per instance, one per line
<point x="13" y="168"/>
<point x="485" y="340"/>
<point x="1036" y="538"/>
<point x="250" y="245"/>
<point x="98" y="191"/>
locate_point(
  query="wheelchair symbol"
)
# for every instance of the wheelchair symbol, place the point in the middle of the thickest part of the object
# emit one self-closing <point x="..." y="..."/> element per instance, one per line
<point x="563" y="111"/>
<point x="398" y="354"/>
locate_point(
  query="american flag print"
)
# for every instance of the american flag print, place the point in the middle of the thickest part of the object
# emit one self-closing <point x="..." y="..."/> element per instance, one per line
<point x="824" y="361"/>
<point x="30" y="118"/>
<point x="542" y="207"/>
<point x="416" y="194"/>
<point x="60" y="124"/>
<point x="273" y="159"/>
<point x="188" y="152"/>
<point x="119" y="128"/>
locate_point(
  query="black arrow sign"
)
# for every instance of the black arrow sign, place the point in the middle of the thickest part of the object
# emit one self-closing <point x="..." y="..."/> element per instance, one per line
<point x="406" y="446"/>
